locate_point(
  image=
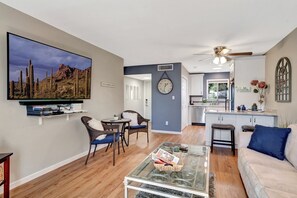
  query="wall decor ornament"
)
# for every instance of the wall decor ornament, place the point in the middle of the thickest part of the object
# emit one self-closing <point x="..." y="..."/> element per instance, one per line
<point x="283" y="80"/>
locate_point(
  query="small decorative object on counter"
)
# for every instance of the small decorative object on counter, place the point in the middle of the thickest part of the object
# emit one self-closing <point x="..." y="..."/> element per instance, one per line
<point x="254" y="107"/>
<point x="238" y="108"/>
<point x="115" y="117"/>
<point x="243" y="108"/>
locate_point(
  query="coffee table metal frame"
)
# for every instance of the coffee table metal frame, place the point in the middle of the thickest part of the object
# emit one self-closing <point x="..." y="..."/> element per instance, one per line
<point x="130" y="178"/>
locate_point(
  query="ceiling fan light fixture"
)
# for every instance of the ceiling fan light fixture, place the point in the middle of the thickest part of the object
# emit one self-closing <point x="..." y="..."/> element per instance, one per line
<point x="223" y="59"/>
<point x="219" y="60"/>
<point x="216" y="60"/>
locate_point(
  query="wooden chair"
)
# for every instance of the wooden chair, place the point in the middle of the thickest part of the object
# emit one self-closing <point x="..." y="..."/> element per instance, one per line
<point x="140" y="127"/>
<point x="112" y="137"/>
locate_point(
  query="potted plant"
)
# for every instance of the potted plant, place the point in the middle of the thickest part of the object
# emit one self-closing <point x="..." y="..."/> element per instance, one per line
<point x="115" y="117"/>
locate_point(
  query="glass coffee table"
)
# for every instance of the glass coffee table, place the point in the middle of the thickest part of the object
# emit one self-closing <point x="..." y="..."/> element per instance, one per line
<point x="191" y="181"/>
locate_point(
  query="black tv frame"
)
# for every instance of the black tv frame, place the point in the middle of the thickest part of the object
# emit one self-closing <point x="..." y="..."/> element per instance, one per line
<point x="46" y="100"/>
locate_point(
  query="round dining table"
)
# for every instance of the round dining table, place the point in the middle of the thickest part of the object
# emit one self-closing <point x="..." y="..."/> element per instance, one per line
<point x="123" y="122"/>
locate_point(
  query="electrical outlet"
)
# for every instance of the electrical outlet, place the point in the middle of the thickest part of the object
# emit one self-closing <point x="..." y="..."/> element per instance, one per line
<point x="166" y="123"/>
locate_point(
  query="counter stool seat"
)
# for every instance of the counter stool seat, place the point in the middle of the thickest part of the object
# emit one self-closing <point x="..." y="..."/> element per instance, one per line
<point x="248" y="128"/>
<point x="231" y="142"/>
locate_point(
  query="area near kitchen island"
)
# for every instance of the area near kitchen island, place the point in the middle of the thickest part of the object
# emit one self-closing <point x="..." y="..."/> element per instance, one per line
<point x="238" y="119"/>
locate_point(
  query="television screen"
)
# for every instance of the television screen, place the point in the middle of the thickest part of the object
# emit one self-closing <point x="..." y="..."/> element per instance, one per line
<point x="40" y="71"/>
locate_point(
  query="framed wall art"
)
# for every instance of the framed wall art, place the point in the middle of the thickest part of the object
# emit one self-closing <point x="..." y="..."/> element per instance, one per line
<point x="283" y="80"/>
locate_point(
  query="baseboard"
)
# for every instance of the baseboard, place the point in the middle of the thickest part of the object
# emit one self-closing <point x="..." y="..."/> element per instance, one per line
<point x="48" y="169"/>
<point x="167" y="132"/>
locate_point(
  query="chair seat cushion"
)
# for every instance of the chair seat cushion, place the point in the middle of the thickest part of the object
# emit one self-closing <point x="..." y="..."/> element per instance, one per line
<point x="223" y="126"/>
<point x="137" y="127"/>
<point x="107" y="139"/>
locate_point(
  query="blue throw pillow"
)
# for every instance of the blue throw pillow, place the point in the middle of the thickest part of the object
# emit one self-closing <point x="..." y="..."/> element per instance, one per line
<point x="270" y="141"/>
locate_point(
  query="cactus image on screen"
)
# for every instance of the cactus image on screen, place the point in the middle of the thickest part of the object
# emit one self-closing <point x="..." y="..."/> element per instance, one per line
<point x="39" y="71"/>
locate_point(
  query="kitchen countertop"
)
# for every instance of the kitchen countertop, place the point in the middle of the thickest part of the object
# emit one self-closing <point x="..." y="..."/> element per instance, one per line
<point x="258" y="113"/>
<point x="206" y="105"/>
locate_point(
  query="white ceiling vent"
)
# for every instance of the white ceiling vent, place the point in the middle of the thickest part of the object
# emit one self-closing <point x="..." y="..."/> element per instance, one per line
<point x="167" y="67"/>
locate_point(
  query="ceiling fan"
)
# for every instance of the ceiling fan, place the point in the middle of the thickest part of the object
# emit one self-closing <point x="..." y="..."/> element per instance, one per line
<point x="222" y="55"/>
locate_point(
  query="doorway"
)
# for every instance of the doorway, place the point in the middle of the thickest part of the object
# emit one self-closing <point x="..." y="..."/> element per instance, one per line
<point x="185" y="102"/>
<point x="138" y="94"/>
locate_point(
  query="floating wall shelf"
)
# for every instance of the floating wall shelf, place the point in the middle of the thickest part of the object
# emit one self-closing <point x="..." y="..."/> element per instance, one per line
<point x="40" y="118"/>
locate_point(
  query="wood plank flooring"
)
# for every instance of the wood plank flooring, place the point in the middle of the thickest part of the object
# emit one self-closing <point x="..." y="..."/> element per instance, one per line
<point x="100" y="179"/>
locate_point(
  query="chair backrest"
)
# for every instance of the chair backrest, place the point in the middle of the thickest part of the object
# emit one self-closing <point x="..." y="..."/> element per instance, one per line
<point x="93" y="134"/>
<point x="140" y="119"/>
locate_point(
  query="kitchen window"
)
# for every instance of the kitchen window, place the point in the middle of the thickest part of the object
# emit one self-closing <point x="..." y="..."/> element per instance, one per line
<point x="218" y="89"/>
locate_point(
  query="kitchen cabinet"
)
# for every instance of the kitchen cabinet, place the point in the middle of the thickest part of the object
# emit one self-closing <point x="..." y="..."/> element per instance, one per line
<point x="196" y="84"/>
<point x="218" y="119"/>
<point x="254" y="119"/>
<point x="237" y="119"/>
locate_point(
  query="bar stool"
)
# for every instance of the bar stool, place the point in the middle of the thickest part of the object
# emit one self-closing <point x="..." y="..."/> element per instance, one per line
<point x="223" y="142"/>
<point x="247" y="128"/>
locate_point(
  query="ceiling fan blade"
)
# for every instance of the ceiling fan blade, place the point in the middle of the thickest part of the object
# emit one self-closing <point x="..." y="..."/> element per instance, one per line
<point x="201" y="54"/>
<point x="240" y="54"/>
<point x="204" y="59"/>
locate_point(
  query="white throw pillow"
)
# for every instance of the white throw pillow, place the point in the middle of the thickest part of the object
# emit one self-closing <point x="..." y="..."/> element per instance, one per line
<point x="132" y="117"/>
<point x="291" y="146"/>
<point x="96" y="124"/>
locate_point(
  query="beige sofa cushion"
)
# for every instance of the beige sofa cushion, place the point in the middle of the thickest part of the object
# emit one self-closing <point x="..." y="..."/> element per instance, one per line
<point x="254" y="157"/>
<point x="291" y="146"/>
<point x="272" y="193"/>
<point x="264" y="177"/>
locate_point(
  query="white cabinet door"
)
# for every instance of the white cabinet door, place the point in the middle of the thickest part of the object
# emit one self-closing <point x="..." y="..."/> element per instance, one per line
<point x="197" y="84"/>
<point x="240" y="121"/>
<point x="227" y="119"/>
<point x="209" y="120"/>
<point x="264" y="120"/>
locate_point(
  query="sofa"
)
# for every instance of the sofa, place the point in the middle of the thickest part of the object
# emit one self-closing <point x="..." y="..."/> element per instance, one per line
<point x="265" y="176"/>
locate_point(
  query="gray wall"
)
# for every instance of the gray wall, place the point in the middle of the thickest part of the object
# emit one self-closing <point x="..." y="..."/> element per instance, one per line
<point x="163" y="107"/>
<point x="37" y="147"/>
<point x="209" y="76"/>
<point x="285" y="48"/>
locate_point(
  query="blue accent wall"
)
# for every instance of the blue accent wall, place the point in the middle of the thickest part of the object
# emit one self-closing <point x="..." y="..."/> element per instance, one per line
<point x="209" y="76"/>
<point x="163" y="107"/>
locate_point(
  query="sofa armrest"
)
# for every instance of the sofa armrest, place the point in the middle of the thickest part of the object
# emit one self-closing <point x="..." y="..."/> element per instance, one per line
<point x="244" y="139"/>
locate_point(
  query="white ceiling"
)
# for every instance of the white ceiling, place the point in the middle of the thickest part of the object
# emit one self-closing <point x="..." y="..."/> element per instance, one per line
<point x="164" y="31"/>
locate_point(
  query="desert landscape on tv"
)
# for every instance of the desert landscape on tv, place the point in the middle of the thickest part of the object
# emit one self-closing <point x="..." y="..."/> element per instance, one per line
<point x="38" y="71"/>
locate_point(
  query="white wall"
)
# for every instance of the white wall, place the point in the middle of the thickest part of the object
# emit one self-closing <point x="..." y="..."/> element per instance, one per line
<point x="136" y="101"/>
<point x="286" y="48"/>
<point x="246" y="70"/>
<point x="37" y="147"/>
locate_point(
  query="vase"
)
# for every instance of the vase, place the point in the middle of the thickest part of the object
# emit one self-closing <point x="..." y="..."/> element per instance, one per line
<point x="261" y="106"/>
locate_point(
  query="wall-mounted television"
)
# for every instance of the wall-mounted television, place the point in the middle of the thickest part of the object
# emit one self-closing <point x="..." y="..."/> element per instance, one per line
<point x="40" y="71"/>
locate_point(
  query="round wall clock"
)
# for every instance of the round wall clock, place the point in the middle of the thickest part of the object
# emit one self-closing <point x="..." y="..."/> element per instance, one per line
<point x="165" y="85"/>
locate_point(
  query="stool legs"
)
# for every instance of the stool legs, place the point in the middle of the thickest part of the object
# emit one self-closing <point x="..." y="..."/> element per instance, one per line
<point x="212" y="134"/>
<point x="233" y="141"/>
<point x="223" y="142"/>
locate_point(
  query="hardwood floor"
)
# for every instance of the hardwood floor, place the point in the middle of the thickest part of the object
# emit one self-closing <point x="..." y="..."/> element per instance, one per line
<point x="100" y="179"/>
